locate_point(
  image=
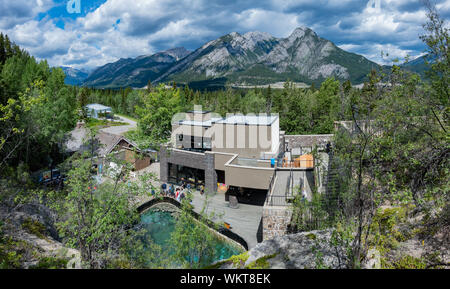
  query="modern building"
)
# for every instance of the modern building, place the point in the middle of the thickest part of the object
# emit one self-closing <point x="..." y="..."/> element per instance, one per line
<point x="242" y="152"/>
<point x="96" y="110"/>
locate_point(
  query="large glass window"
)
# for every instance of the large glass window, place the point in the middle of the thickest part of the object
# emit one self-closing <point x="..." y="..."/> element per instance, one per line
<point x="193" y="143"/>
<point x="193" y="176"/>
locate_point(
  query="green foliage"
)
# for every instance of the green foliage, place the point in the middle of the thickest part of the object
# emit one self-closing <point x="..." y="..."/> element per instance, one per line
<point x="239" y="260"/>
<point x="93" y="122"/>
<point x="155" y="115"/>
<point x="261" y="263"/>
<point x="98" y="219"/>
<point x="12" y="252"/>
<point x="34" y="227"/>
<point x="192" y="241"/>
<point x="385" y="230"/>
<point x="36" y="109"/>
<point x="309" y="215"/>
<point x="406" y="262"/>
<point x="10" y="256"/>
<point x="51" y="263"/>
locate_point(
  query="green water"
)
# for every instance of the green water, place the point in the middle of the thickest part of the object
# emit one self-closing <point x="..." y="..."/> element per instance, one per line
<point x="160" y="224"/>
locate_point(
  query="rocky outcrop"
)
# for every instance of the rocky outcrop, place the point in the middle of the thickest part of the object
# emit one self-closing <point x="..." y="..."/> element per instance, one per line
<point x="252" y="58"/>
<point x="260" y="57"/>
<point x="32" y="225"/>
<point x="134" y="72"/>
<point x="296" y="251"/>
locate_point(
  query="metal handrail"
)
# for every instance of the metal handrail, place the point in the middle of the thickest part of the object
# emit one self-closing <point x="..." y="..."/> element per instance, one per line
<point x="269" y="191"/>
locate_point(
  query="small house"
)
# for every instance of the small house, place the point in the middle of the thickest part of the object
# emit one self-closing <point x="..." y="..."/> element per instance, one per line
<point x="96" y="110"/>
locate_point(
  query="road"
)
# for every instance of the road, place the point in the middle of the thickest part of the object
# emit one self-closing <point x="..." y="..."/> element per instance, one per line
<point x="121" y="130"/>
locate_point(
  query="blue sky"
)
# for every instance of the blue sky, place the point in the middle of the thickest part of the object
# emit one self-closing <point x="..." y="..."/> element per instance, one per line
<point x="106" y="30"/>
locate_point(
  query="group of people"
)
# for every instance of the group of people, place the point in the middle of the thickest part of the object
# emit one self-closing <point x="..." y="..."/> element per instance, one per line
<point x="177" y="193"/>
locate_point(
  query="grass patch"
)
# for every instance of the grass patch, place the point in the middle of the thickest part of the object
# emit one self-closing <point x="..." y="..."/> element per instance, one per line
<point x="34" y="227"/>
<point x="127" y="116"/>
<point x="406" y="262"/>
<point x="239" y="260"/>
<point x="261" y="263"/>
<point x="51" y="263"/>
<point x="93" y="122"/>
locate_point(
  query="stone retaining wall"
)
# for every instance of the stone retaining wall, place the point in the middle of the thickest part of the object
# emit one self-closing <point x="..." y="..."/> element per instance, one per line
<point x="275" y="221"/>
<point x="301" y="141"/>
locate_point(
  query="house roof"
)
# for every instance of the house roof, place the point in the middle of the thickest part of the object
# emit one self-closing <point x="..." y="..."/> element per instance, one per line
<point x="234" y="119"/>
<point x="104" y="142"/>
<point x="249" y="119"/>
<point x="97" y="106"/>
<point x="107" y="142"/>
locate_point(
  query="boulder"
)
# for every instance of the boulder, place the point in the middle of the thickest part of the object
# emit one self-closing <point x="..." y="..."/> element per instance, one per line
<point x="233" y="202"/>
<point x="295" y="251"/>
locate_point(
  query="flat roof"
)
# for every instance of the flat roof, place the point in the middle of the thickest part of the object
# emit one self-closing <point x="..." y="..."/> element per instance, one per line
<point x="249" y="119"/>
<point x="97" y="106"/>
<point x="198" y="111"/>
<point x="235" y="119"/>
<point x="200" y="123"/>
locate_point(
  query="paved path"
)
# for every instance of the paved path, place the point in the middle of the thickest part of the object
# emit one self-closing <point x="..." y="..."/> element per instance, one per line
<point x="121" y="130"/>
<point x="244" y="220"/>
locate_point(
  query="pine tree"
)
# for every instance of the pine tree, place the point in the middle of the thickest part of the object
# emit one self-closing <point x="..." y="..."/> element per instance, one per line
<point x="269" y="100"/>
<point x="2" y="50"/>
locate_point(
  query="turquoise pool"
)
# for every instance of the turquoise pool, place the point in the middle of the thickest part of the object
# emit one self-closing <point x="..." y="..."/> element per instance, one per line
<point x="160" y="224"/>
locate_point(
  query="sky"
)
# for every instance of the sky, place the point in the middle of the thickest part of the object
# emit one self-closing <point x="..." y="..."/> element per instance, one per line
<point x="85" y="34"/>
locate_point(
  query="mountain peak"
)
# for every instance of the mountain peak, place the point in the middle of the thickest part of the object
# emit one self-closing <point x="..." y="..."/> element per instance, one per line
<point x="299" y="32"/>
<point x="257" y="36"/>
<point x="177" y="52"/>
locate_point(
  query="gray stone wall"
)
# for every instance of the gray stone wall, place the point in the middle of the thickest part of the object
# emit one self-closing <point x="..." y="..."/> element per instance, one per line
<point x="275" y="221"/>
<point x="298" y="141"/>
<point x="210" y="174"/>
<point x="203" y="161"/>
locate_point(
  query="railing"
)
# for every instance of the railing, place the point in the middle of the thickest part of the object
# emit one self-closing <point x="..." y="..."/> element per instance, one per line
<point x="288" y="184"/>
<point x="269" y="190"/>
<point x="297" y="164"/>
<point x="277" y="201"/>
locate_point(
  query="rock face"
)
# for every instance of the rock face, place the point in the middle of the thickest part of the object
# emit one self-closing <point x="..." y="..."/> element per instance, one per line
<point x="74" y="76"/>
<point x="259" y="58"/>
<point x="42" y="243"/>
<point x="296" y="251"/>
<point x="134" y="72"/>
<point x="253" y="58"/>
<point x="36" y="212"/>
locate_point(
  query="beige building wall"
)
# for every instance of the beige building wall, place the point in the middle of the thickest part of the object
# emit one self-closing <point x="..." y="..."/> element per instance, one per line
<point x="220" y="159"/>
<point x="248" y="177"/>
<point x="249" y="141"/>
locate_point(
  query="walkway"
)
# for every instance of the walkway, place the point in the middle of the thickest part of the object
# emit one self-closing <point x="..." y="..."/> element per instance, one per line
<point x="281" y="188"/>
<point x="244" y="220"/>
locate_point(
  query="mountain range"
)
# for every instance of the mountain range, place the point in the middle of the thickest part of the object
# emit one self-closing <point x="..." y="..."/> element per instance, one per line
<point x="74" y="76"/>
<point x="253" y="58"/>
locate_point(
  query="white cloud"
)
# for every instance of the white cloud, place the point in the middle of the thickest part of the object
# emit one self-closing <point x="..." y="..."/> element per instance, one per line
<point x="276" y="23"/>
<point x="120" y="29"/>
